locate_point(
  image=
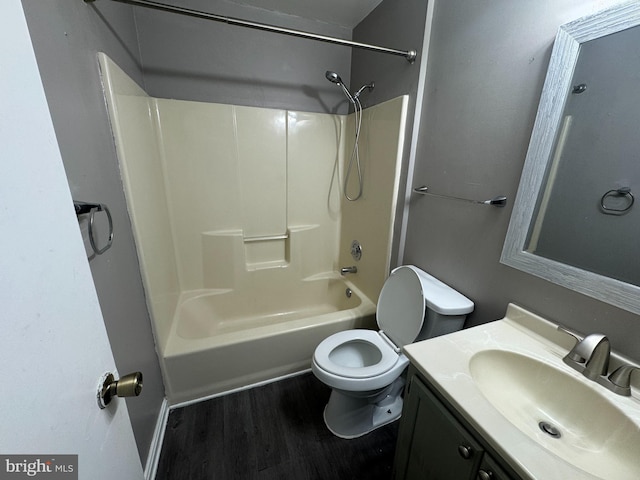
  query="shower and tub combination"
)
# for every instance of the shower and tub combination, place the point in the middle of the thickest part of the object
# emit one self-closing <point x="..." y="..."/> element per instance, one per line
<point x="242" y="228"/>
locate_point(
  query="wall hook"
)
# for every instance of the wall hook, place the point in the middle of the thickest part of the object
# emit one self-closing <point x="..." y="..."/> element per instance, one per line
<point x="578" y="89"/>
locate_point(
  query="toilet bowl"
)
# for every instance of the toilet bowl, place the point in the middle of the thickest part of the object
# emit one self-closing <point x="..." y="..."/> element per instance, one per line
<point x="364" y="368"/>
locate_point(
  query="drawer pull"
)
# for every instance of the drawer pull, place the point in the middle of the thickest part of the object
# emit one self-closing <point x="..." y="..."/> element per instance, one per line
<point x="465" y="451"/>
<point x="485" y="475"/>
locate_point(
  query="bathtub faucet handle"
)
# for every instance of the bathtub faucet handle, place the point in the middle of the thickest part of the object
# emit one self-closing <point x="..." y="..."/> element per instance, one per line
<point x="345" y="270"/>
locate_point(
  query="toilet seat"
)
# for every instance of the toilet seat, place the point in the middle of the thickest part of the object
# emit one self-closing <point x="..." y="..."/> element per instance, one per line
<point x="346" y="363"/>
<point x="366" y="354"/>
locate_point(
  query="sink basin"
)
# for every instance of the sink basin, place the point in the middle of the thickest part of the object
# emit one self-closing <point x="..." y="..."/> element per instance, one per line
<point x="559" y="410"/>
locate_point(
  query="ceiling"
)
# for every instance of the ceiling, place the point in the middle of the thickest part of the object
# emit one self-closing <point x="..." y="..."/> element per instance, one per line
<point x="346" y="13"/>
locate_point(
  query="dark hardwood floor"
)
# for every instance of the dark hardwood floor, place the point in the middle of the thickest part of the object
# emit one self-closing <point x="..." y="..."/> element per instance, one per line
<point x="275" y="431"/>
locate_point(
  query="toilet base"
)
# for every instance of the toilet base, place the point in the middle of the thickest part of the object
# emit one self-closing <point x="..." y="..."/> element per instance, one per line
<point x="352" y="414"/>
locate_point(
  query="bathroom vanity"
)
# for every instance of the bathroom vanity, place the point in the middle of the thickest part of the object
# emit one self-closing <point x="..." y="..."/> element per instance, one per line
<point x="500" y="401"/>
<point x="435" y="442"/>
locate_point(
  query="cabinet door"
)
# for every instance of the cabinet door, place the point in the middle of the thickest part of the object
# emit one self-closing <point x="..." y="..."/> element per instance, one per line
<point x="432" y="445"/>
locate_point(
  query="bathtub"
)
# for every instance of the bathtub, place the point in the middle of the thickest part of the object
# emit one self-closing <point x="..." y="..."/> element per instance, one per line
<point x="224" y="339"/>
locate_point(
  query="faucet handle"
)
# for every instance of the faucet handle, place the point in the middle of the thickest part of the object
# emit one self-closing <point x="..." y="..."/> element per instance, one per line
<point x="568" y="331"/>
<point x="621" y="379"/>
<point x="573" y="355"/>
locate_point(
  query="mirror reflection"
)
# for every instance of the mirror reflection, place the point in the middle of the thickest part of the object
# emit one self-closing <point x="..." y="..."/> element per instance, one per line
<point x="585" y="216"/>
<point x="575" y="221"/>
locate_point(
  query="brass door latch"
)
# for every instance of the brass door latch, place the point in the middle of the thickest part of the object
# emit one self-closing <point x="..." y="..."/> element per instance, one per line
<point x="108" y="387"/>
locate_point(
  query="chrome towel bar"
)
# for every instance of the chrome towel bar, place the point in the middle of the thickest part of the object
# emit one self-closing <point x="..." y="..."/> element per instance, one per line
<point x="499" y="201"/>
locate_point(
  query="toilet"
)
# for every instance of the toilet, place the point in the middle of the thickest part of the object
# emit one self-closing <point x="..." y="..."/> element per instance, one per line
<point x="364" y="368"/>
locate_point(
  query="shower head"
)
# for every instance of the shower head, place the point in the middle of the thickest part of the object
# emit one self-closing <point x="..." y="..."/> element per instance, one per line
<point x="333" y="77"/>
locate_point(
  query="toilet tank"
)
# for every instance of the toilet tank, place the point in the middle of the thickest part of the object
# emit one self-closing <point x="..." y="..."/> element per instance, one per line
<point x="446" y="309"/>
<point x="436" y="324"/>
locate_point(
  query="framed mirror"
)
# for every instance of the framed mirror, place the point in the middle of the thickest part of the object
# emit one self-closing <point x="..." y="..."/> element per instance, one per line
<point x="574" y="220"/>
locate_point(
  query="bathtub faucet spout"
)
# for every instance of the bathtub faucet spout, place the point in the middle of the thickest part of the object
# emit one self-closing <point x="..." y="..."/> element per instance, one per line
<point x="345" y="270"/>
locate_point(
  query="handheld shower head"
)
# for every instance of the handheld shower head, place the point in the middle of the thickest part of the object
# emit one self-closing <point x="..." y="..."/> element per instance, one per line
<point x="333" y="77"/>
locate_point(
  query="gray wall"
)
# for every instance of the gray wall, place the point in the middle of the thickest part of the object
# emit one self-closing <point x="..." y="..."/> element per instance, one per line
<point x="194" y="59"/>
<point x="395" y="24"/>
<point x="486" y="69"/>
<point x="66" y="37"/>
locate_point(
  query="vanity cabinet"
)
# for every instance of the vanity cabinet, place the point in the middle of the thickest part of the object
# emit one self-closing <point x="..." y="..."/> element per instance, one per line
<point x="434" y="445"/>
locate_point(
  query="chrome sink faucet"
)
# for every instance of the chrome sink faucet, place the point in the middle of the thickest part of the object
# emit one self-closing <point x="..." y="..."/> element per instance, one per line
<point x="345" y="270"/>
<point x="590" y="356"/>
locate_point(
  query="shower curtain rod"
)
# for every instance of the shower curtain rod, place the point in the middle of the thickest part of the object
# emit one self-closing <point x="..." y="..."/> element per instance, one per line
<point x="409" y="55"/>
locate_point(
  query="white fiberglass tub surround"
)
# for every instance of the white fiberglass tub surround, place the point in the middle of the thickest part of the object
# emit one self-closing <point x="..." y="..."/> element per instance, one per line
<point x="240" y="227"/>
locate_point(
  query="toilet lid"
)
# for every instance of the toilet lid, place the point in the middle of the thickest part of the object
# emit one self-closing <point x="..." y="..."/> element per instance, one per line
<point x="401" y="306"/>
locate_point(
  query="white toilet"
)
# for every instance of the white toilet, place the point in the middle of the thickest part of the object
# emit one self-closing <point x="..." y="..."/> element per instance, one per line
<point x="364" y="368"/>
